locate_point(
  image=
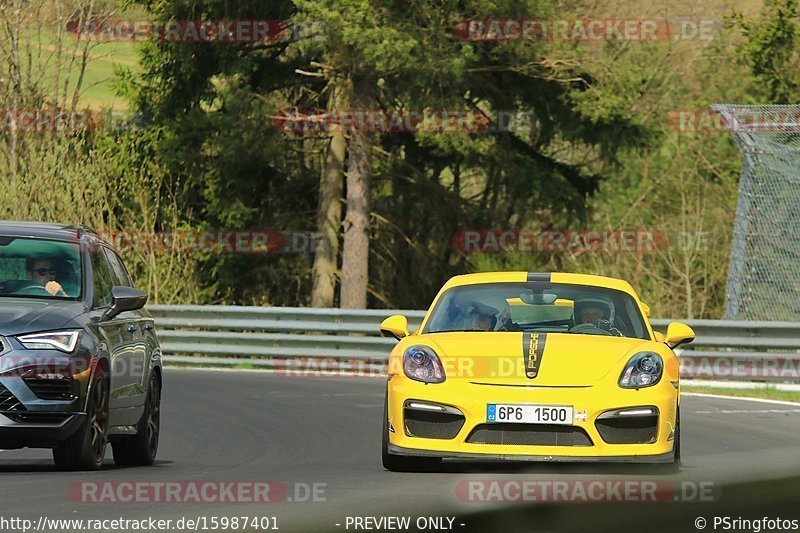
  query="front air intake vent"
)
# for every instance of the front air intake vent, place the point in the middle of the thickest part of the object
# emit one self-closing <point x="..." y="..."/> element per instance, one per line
<point x="9" y="402"/>
<point x="51" y="389"/>
<point x="529" y="435"/>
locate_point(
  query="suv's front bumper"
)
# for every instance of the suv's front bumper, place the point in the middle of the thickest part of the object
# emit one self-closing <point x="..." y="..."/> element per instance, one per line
<point x="42" y="396"/>
<point x="37" y="429"/>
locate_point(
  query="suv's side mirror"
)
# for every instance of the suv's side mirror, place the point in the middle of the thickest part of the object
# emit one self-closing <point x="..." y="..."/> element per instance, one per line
<point x="678" y="334"/>
<point x="396" y="326"/>
<point x="124" y="299"/>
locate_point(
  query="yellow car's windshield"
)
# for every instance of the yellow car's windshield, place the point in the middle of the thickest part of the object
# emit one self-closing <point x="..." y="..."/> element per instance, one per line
<point x="551" y="307"/>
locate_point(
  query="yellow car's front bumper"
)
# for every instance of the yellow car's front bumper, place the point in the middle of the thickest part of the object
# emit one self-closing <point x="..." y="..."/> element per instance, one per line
<point x="580" y="441"/>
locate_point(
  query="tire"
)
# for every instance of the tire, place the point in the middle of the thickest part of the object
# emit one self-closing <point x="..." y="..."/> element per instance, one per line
<point x="677" y="447"/>
<point x="141" y="449"/>
<point x="399" y="463"/>
<point x="86" y="448"/>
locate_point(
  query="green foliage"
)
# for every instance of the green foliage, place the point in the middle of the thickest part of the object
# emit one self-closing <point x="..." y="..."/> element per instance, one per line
<point x="597" y="150"/>
<point x="771" y="48"/>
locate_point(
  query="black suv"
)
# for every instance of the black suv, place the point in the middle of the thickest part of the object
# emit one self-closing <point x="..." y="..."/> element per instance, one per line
<point x="80" y="364"/>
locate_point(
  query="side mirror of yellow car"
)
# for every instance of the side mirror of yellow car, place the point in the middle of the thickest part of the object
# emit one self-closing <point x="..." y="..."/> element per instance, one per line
<point x="678" y="334"/>
<point x="396" y="326"/>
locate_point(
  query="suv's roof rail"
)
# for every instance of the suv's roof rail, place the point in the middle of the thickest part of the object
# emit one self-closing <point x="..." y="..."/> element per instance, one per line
<point x="86" y="229"/>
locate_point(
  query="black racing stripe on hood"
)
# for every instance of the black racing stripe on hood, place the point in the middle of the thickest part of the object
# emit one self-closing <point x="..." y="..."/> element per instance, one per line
<point x="539" y="276"/>
<point x="532" y="352"/>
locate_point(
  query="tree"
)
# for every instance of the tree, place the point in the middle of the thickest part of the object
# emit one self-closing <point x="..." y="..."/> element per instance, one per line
<point x="771" y="48"/>
<point x="355" y="254"/>
<point x="329" y="214"/>
<point x="405" y="192"/>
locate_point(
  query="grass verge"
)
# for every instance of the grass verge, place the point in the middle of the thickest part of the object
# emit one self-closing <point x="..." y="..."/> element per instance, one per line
<point x="769" y="393"/>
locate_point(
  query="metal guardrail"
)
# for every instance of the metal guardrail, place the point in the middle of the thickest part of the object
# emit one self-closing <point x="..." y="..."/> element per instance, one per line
<point x="271" y="336"/>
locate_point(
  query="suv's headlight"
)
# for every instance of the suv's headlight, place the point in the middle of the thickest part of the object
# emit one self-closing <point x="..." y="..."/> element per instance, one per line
<point x="643" y="370"/>
<point x="421" y="363"/>
<point x="65" y="341"/>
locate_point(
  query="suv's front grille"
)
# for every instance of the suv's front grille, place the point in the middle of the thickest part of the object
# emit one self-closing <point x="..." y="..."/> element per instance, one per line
<point x="529" y="434"/>
<point x="51" y="389"/>
<point x="9" y="402"/>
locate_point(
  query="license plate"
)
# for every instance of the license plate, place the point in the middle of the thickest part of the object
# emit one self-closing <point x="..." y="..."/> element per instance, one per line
<point x="529" y="413"/>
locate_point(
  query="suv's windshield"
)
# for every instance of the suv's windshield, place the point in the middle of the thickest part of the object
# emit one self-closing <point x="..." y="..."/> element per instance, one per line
<point x="555" y="308"/>
<point x="39" y="268"/>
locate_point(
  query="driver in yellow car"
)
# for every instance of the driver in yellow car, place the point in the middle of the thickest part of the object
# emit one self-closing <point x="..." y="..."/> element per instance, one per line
<point x="482" y="322"/>
<point x="44" y="272"/>
<point x="494" y="315"/>
<point x="591" y="311"/>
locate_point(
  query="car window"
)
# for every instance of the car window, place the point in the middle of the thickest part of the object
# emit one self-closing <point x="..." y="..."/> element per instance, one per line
<point x="119" y="274"/>
<point x="554" y="308"/>
<point x="39" y="268"/>
<point x="102" y="278"/>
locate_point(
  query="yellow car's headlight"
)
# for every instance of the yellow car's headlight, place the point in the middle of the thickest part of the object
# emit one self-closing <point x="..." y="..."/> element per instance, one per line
<point x="644" y="369"/>
<point x="421" y="363"/>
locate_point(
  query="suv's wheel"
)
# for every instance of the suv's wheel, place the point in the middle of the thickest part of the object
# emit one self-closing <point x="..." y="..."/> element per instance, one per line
<point x="85" y="449"/>
<point x="400" y="463"/>
<point x="141" y="449"/>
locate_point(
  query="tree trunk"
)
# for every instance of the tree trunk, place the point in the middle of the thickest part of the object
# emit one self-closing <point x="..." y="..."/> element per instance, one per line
<point x="355" y="253"/>
<point x="15" y="83"/>
<point x="329" y="214"/>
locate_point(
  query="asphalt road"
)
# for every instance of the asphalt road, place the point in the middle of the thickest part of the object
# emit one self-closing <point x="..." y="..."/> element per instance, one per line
<point x="300" y="431"/>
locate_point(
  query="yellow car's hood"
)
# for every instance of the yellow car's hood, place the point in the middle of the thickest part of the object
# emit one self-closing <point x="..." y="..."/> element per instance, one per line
<point x="552" y="359"/>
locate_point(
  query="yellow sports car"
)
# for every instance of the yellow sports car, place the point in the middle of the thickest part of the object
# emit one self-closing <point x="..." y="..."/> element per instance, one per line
<point x="533" y="366"/>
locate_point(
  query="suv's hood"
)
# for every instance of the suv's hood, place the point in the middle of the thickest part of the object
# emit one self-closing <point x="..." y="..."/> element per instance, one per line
<point x="24" y="315"/>
<point x="504" y="357"/>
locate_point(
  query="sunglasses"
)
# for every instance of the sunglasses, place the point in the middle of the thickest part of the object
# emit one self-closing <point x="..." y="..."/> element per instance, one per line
<point x="45" y="271"/>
